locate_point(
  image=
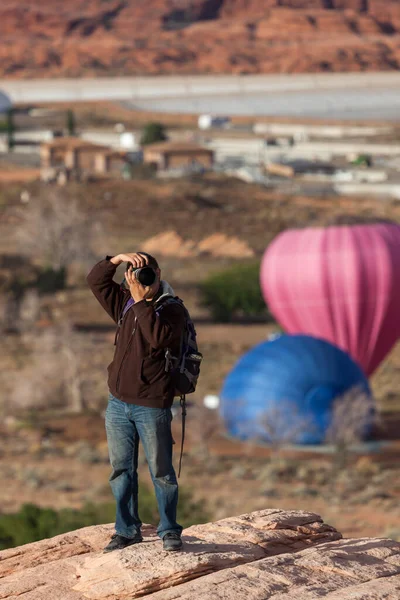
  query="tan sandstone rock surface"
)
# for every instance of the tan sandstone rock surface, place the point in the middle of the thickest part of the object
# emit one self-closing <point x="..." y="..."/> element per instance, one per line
<point x="170" y="243"/>
<point x="266" y="554"/>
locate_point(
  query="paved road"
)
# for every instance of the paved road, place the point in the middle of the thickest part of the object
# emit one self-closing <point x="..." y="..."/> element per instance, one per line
<point x="339" y="95"/>
<point x="348" y="104"/>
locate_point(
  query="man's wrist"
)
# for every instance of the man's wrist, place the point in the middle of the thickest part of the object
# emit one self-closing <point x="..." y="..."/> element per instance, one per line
<point x="138" y="299"/>
<point x="116" y="260"/>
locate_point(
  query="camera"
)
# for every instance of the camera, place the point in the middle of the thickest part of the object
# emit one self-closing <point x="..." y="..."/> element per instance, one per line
<point x="145" y="275"/>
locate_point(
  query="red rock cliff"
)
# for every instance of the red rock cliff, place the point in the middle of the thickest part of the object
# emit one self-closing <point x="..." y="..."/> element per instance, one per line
<point x="127" y="37"/>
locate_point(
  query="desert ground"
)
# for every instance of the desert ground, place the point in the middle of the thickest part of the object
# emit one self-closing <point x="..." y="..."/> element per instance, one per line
<point x="55" y="454"/>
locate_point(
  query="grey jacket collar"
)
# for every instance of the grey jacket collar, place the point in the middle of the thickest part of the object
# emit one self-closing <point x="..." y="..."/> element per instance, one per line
<point x="166" y="290"/>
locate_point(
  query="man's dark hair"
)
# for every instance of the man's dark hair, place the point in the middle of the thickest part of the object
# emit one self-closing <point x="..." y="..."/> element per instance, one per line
<point x="151" y="260"/>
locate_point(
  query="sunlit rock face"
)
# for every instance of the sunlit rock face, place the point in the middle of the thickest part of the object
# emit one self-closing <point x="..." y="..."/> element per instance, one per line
<point x="266" y="554"/>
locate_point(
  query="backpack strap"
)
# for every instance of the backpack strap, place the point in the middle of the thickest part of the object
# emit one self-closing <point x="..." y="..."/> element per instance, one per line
<point x="129" y="302"/>
<point x="127" y="306"/>
<point x="177" y="300"/>
<point x="169" y="300"/>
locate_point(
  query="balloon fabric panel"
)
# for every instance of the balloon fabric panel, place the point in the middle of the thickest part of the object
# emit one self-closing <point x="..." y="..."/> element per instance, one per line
<point x="339" y="283"/>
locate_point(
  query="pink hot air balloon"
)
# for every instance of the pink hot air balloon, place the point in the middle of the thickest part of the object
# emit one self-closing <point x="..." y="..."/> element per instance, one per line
<point x="340" y="283"/>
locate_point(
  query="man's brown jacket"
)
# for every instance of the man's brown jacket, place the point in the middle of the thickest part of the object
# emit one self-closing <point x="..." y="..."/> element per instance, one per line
<point x="137" y="373"/>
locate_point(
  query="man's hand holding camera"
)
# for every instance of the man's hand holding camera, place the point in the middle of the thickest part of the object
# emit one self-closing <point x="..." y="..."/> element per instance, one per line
<point x="137" y="289"/>
<point x="138" y="260"/>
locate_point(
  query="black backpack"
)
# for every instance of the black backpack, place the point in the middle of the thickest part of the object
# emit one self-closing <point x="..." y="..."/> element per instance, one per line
<point x="185" y="368"/>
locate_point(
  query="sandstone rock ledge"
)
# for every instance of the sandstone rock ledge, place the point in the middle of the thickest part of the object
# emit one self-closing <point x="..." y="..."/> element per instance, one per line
<point x="269" y="554"/>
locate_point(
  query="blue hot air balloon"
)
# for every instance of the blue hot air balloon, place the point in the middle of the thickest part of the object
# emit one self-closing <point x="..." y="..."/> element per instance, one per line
<point x="284" y="390"/>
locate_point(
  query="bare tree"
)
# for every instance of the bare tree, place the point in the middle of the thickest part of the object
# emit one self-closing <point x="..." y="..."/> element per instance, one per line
<point x="55" y="230"/>
<point x="353" y="414"/>
<point x="51" y="376"/>
<point x="286" y="423"/>
<point x="3" y="309"/>
<point x="73" y="376"/>
<point x="277" y="424"/>
<point x="204" y="424"/>
<point x="38" y="384"/>
<point x="30" y="308"/>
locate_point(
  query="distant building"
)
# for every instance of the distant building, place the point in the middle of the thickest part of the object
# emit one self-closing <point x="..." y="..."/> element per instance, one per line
<point x="125" y="140"/>
<point x="361" y="175"/>
<point x="303" y="132"/>
<point x="212" y="121"/>
<point x="75" y="154"/>
<point x="300" y="167"/>
<point x="173" y="155"/>
<point x="278" y="141"/>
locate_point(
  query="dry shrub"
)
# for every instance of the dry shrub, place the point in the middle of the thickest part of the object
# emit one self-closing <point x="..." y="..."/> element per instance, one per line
<point x="283" y="424"/>
<point x="352" y="414"/>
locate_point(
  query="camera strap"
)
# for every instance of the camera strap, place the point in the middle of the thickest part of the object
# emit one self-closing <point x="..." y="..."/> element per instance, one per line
<point x="183" y="405"/>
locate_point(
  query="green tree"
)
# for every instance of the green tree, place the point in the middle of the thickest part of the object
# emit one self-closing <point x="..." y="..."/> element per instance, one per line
<point x="153" y="132"/>
<point x="234" y="292"/>
<point x="32" y="523"/>
<point x="71" y="125"/>
<point x="10" y="129"/>
<point x="50" y="280"/>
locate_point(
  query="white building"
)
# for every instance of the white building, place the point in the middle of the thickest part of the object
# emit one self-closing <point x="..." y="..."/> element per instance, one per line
<point x="302" y="132"/>
<point x="211" y="121"/>
<point x="5" y="102"/>
<point x="126" y="140"/>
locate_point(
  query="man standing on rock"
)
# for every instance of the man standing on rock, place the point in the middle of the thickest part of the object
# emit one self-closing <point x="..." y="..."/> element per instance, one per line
<point x="141" y="393"/>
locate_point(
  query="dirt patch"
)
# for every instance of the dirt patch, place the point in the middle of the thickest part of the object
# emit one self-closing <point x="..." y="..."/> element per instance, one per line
<point x="62" y="460"/>
<point x="19" y="175"/>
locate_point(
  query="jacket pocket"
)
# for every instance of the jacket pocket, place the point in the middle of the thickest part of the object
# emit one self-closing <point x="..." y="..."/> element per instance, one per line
<point x="152" y="371"/>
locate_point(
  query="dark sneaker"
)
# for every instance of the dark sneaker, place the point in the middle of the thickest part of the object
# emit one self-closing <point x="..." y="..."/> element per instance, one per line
<point x="119" y="541"/>
<point x="172" y="541"/>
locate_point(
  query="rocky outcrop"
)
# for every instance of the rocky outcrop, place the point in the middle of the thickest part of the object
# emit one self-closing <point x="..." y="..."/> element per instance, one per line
<point x="365" y="569"/>
<point x="266" y="554"/>
<point x="126" y="37"/>
<point x="170" y="243"/>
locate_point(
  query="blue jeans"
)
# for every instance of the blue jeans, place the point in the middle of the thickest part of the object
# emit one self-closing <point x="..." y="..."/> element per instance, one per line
<point x="126" y="424"/>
